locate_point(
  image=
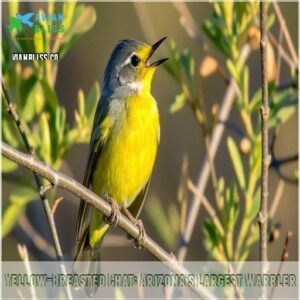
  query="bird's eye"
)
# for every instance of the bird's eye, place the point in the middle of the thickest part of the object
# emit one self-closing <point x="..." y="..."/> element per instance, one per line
<point x="135" y="60"/>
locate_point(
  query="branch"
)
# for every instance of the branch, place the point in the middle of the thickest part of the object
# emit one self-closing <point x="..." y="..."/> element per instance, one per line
<point x="284" y="257"/>
<point x="50" y="218"/>
<point x="285" y="32"/>
<point x="59" y="179"/>
<point x="263" y="212"/>
<point x="36" y="238"/>
<point x="203" y="177"/>
<point x="282" y="52"/>
<point x="25" y="257"/>
<point x="189" y="25"/>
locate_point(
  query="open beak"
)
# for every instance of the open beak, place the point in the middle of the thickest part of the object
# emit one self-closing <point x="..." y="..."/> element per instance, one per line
<point x="153" y="49"/>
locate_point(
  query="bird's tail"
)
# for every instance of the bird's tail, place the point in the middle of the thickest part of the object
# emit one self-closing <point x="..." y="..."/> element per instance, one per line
<point x="90" y="251"/>
<point x="94" y="268"/>
<point x="87" y="261"/>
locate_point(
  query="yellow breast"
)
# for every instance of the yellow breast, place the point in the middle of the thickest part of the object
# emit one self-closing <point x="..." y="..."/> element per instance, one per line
<point x="127" y="158"/>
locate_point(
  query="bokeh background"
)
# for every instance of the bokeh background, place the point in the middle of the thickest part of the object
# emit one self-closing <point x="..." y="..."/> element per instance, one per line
<point x="180" y="132"/>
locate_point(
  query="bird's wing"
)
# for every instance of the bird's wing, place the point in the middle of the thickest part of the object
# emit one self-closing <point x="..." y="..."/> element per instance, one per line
<point x="136" y="207"/>
<point x="94" y="152"/>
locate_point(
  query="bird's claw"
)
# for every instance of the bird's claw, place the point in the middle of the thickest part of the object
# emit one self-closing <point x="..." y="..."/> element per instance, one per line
<point x="115" y="213"/>
<point x="138" y="242"/>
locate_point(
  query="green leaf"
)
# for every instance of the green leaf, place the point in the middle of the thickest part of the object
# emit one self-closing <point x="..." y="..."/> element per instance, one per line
<point x="12" y="210"/>
<point x="40" y="43"/>
<point x="83" y="20"/>
<point x="38" y="98"/>
<point x="282" y="107"/>
<point x="227" y="10"/>
<point x="11" y="213"/>
<point x="233" y="70"/>
<point x="245" y="87"/>
<point x="60" y="123"/>
<point x="45" y="151"/>
<point x="178" y="102"/>
<point x="9" y="132"/>
<point x="13" y="7"/>
<point x="92" y="100"/>
<point x="160" y="221"/>
<point x="50" y="95"/>
<point x="233" y="207"/>
<point x="81" y="103"/>
<point x="215" y="33"/>
<point x="237" y="162"/>
<point x="255" y="102"/>
<point x="68" y="11"/>
<point x="26" y="87"/>
<point x="220" y="191"/>
<point x="212" y="240"/>
<point x="188" y="63"/>
<point x="255" y="204"/>
<point x="8" y="165"/>
<point x="270" y="21"/>
<point x="211" y="232"/>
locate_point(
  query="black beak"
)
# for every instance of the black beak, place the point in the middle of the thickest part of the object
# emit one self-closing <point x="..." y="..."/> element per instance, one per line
<point x="154" y="48"/>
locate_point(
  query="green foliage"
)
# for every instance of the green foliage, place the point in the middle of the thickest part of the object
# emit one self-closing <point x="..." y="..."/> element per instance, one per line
<point x="236" y="162"/>
<point x="181" y="67"/>
<point x="12" y="210"/>
<point x="228" y="29"/>
<point x="166" y="224"/>
<point x="31" y="86"/>
<point x="229" y="24"/>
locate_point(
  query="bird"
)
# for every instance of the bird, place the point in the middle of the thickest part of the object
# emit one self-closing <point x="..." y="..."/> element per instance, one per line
<point x="14" y="24"/>
<point x="123" y="145"/>
<point x="25" y="19"/>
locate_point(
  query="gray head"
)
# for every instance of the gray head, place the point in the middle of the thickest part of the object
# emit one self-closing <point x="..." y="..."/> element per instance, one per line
<point x="129" y="66"/>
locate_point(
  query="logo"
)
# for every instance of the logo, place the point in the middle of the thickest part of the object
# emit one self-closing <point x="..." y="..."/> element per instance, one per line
<point x="43" y="22"/>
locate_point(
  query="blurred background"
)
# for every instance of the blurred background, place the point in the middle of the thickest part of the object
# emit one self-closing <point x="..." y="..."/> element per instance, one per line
<point x="180" y="132"/>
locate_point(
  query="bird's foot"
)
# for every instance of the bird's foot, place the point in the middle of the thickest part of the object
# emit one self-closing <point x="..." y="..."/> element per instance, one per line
<point x="138" y="242"/>
<point x="115" y="213"/>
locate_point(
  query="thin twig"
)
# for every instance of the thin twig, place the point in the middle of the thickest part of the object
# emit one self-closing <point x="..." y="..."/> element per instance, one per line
<point x="11" y="110"/>
<point x="279" y="57"/>
<point x="237" y="291"/>
<point x="22" y="249"/>
<point x="56" y="203"/>
<point x="69" y="184"/>
<point x="20" y="294"/>
<point x="280" y="49"/>
<point x="286" y="32"/>
<point x="263" y="212"/>
<point x="36" y="238"/>
<point x="188" y="23"/>
<point x="284" y="257"/>
<point x="203" y="177"/>
<point x="144" y="19"/>
<point x="183" y="192"/>
<point x="209" y="209"/>
<point x="277" y="198"/>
